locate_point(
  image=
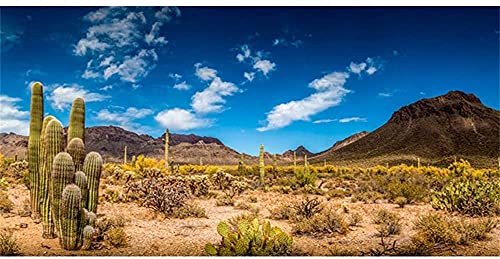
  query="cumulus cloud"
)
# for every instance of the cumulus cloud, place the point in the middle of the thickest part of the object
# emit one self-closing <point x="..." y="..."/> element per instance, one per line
<point x="264" y="66"/>
<point x="249" y="76"/>
<point x="258" y="62"/>
<point x="122" y="42"/>
<point x="329" y="92"/>
<point x="211" y="98"/>
<point x="125" y="118"/>
<point x="180" y="119"/>
<point x="182" y="86"/>
<point x="357" y="68"/>
<point x="352" y="119"/>
<point x="12" y="117"/>
<point x="63" y="95"/>
<point x="205" y="73"/>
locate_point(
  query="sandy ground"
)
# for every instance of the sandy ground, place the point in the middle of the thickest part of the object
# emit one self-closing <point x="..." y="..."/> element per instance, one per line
<point x="149" y="234"/>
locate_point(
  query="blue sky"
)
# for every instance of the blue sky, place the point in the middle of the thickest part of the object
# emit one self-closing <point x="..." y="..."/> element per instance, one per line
<point x="279" y="76"/>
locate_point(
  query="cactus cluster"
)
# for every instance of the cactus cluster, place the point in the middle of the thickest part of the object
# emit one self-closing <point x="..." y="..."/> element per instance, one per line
<point x="251" y="239"/>
<point x="64" y="181"/>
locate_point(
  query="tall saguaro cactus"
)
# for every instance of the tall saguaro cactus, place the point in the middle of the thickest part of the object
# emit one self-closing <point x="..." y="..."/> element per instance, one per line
<point x="70" y="217"/>
<point x="306" y="165"/>
<point x="81" y="182"/>
<point x="76" y="149"/>
<point x="36" y="118"/>
<point x="52" y="145"/>
<point x="262" y="169"/>
<point x="76" y="127"/>
<point x="92" y="167"/>
<point x="167" y="137"/>
<point x="63" y="173"/>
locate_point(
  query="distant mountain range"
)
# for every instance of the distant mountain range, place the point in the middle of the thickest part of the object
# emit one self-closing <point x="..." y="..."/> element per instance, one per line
<point x="437" y="130"/>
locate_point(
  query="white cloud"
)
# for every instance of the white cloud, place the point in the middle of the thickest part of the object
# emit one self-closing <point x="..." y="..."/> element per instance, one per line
<point x="205" y="73"/>
<point x="175" y="76"/>
<point x="106" y="87"/>
<point x="12" y="118"/>
<point x="182" y="86"/>
<point x="63" y="95"/>
<point x="210" y="99"/>
<point x="373" y="65"/>
<point x="324" y="121"/>
<point x="249" y="76"/>
<point x="123" y="41"/>
<point x="385" y="94"/>
<point x="371" y="70"/>
<point x="329" y="93"/>
<point x="352" y="119"/>
<point x="125" y="119"/>
<point x="180" y="119"/>
<point x="357" y="68"/>
<point x="265" y="66"/>
<point x="245" y="53"/>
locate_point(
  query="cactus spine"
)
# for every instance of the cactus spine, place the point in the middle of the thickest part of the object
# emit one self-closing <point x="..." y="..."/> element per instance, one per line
<point x="70" y="217"/>
<point x="262" y="169"/>
<point x="125" y="155"/>
<point x="167" y="137"/>
<point x="92" y="167"/>
<point x="76" y="149"/>
<point x="63" y="173"/>
<point x="76" y="127"/>
<point x="81" y="182"/>
<point x="36" y="118"/>
<point x="52" y="144"/>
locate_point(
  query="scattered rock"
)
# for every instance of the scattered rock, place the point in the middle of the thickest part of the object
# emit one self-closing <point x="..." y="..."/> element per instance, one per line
<point x="23" y="225"/>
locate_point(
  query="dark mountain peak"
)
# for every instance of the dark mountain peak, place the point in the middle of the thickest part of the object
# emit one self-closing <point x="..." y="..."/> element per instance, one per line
<point x="176" y="139"/>
<point x="300" y="151"/>
<point x="449" y="104"/>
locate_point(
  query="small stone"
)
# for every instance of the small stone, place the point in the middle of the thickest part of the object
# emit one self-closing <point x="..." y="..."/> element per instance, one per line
<point x="23" y="225"/>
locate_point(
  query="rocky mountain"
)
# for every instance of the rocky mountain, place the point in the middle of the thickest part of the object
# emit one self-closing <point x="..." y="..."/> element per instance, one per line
<point x="12" y="145"/>
<point x="299" y="152"/>
<point x="439" y="129"/>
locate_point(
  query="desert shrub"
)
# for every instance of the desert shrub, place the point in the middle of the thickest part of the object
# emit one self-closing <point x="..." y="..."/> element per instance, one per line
<point x="117" y="237"/>
<point x="327" y="222"/>
<point x="469" y="196"/>
<point x="228" y="183"/>
<point x="4" y="184"/>
<point x="146" y="167"/>
<point x="354" y="219"/>
<point x="189" y="210"/>
<point x="304" y="177"/>
<point x="252" y="199"/>
<point x="401" y="201"/>
<point x="307" y="207"/>
<point x="285" y="189"/>
<point x="224" y="200"/>
<point x="199" y="185"/>
<point x="283" y="212"/>
<point x="338" y="193"/>
<point x="251" y="239"/>
<point x="8" y="244"/>
<point x="412" y="191"/>
<point x="6" y="205"/>
<point x="367" y="197"/>
<point x="113" y="195"/>
<point x="159" y="195"/>
<point x="388" y="223"/>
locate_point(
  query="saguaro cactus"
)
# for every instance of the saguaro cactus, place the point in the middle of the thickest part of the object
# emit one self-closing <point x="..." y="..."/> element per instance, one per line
<point x="125" y="155"/>
<point x="76" y="127"/>
<point x="70" y="217"/>
<point x="52" y="145"/>
<point x="262" y="169"/>
<point x="81" y="182"/>
<point x="167" y="137"/>
<point x="92" y="167"/>
<point x="63" y="173"/>
<point x="36" y="118"/>
<point x="306" y="165"/>
<point x="76" y="149"/>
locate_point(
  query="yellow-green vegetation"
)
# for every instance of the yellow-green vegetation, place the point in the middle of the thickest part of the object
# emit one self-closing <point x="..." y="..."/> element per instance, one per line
<point x="8" y="244"/>
<point x="250" y="238"/>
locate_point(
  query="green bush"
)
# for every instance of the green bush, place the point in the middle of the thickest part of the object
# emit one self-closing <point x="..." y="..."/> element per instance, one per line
<point x="8" y="245"/>
<point x="469" y="196"/>
<point x="251" y="239"/>
<point x="5" y="204"/>
<point x="388" y="223"/>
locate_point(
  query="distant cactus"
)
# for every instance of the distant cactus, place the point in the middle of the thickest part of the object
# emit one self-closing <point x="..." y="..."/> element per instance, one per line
<point x="36" y="118"/>
<point x="81" y="182"/>
<point x="53" y="145"/>
<point x="92" y="167"/>
<point x="70" y="217"/>
<point x="262" y="170"/>
<point x="294" y="162"/>
<point x="88" y="233"/>
<point x="167" y="137"/>
<point x="306" y="165"/>
<point x="76" y="127"/>
<point x="125" y="155"/>
<point x="76" y="149"/>
<point x="63" y="173"/>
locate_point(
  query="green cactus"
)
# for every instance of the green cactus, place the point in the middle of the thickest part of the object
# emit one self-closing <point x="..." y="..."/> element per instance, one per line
<point x="88" y="234"/>
<point x="76" y="149"/>
<point x="76" y="127"/>
<point x="36" y="118"/>
<point x="81" y="182"/>
<point x="63" y="173"/>
<point x="92" y="167"/>
<point x="70" y="217"/>
<point x="167" y="140"/>
<point x="262" y="169"/>
<point x="306" y="165"/>
<point x="251" y="239"/>
<point x="52" y="145"/>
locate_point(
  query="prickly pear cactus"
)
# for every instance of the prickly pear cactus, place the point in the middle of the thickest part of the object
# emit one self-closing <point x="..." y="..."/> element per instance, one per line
<point x="92" y="167"/>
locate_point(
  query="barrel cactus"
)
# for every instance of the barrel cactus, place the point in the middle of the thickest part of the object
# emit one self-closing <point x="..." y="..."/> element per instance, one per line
<point x="92" y="167"/>
<point x="70" y="217"/>
<point x="36" y="118"/>
<point x="76" y="127"/>
<point x="63" y="173"/>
